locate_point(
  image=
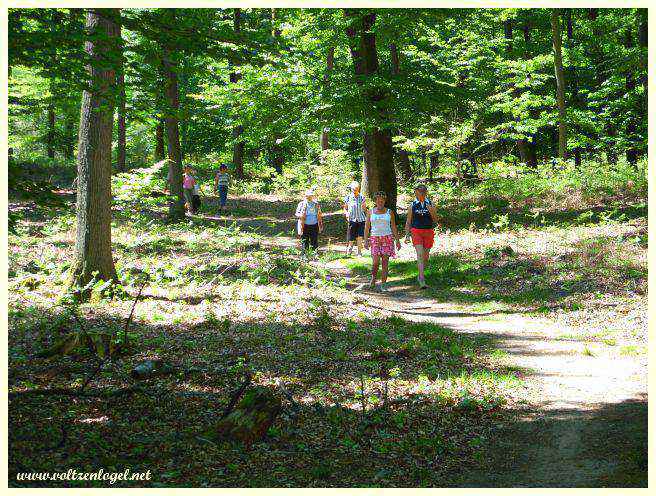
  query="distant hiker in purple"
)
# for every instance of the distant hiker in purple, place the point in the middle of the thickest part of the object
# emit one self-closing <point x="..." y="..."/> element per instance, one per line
<point x="221" y="182"/>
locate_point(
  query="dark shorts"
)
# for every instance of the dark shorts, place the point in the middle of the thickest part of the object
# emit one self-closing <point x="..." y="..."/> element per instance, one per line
<point x="310" y="236"/>
<point x="195" y="203"/>
<point x="355" y="230"/>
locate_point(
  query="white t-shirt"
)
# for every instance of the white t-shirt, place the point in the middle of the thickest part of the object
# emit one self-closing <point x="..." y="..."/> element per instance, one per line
<point x="380" y="223"/>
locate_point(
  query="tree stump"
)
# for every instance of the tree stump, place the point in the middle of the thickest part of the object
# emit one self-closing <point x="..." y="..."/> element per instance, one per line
<point x="251" y="418"/>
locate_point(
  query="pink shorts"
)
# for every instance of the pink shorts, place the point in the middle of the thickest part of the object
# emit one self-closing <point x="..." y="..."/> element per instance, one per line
<point x="382" y="245"/>
<point x="423" y="237"/>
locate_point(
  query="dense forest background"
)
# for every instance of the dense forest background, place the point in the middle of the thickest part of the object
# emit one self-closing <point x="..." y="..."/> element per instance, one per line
<point x="205" y="349"/>
<point x="291" y="96"/>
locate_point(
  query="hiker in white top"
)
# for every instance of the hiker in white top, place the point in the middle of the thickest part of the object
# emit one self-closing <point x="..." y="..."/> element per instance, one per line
<point x="380" y="232"/>
<point x="355" y="210"/>
<point x="310" y="221"/>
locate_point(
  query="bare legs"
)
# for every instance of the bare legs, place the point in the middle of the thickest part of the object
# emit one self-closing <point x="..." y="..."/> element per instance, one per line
<point x="379" y="260"/>
<point x="374" y="269"/>
<point x="422" y="261"/>
<point x="383" y="275"/>
<point x="358" y="243"/>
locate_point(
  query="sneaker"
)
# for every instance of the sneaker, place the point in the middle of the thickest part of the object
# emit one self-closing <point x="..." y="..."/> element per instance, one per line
<point x="382" y="287"/>
<point x="372" y="284"/>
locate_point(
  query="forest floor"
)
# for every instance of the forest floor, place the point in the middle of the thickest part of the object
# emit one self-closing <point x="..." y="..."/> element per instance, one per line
<point x="513" y="369"/>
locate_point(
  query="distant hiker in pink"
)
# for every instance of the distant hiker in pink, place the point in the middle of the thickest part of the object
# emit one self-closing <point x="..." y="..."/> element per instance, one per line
<point x="188" y="183"/>
<point x="380" y="233"/>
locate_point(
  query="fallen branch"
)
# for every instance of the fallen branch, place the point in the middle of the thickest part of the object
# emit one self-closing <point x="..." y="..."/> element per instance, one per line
<point x="236" y="396"/>
<point x="91" y="376"/>
<point x="106" y="393"/>
<point x="129" y="320"/>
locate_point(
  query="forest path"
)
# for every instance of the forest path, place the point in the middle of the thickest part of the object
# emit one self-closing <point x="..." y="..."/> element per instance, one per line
<point x="580" y="416"/>
<point x="583" y="415"/>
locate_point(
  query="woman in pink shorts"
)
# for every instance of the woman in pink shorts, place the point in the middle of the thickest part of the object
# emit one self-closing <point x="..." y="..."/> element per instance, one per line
<point x="419" y="225"/>
<point x="380" y="233"/>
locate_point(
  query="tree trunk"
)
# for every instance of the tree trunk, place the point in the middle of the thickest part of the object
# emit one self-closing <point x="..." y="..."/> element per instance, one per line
<point x="330" y="61"/>
<point x="531" y="146"/>
<point x="120" y="160"/>
<point x="574" y="83"/>
<point x="159" y="141"/>
<point x="643" y="40"/>
<point x="278" y="157"/>
<point x="378" y="173"/>
<point x="599" y="62"/>
<point x="434" y="165"/>
<point x="50" y="140"/>
<point x="275" y="30"/>
<point x="176" y="200"/>
<point x="93" y="249"/>
<point x="403" y="158"/>
<point x="522" y="146"/>
<point x="560" y="83"/>
<point x="239" y="145"/>
<point x="631" y="151"/>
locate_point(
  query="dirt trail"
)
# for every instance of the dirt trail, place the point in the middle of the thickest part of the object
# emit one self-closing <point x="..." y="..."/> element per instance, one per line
<point x="584" y="423"/>
<point x="584" y="413"/>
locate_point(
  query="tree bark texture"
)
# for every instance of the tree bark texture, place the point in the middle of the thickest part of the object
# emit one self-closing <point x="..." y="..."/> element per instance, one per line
<point x="239" y="145"/>
<point x="402" y="156"/>
<point x="176" y="199"/>
<point x="93" y="251"/>
<point x="560" y="83"/>
<point x="159" y="140"/>
<point x="378" y="173"/>
<point x="330" y="62"/>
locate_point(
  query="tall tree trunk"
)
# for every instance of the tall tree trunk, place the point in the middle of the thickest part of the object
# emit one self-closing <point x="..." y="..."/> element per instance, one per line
<point x="631" y="151"/>
<point x="120" y="159"/>
<point x="643" y="39"/>
<point x="239" y="145"/>
<point x="176" y="200"/>
<point x="278" y="157"/>
<point x="50" y="140"/>
<point x="434" y="165"/>
<point x="571" y="69"/>
<point x="330" y="62"/>
<point x="378" y="173"/>
<point x="275" y="29"/>
<point x="522" y="147"/>
<point x="159" y="140"/>
<point x="93" y="249"/>
<point x="531" y="145"/>
<point x="403" y="157"/>
<point x="560" y="83"/>
<point x="599" y="62"/>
